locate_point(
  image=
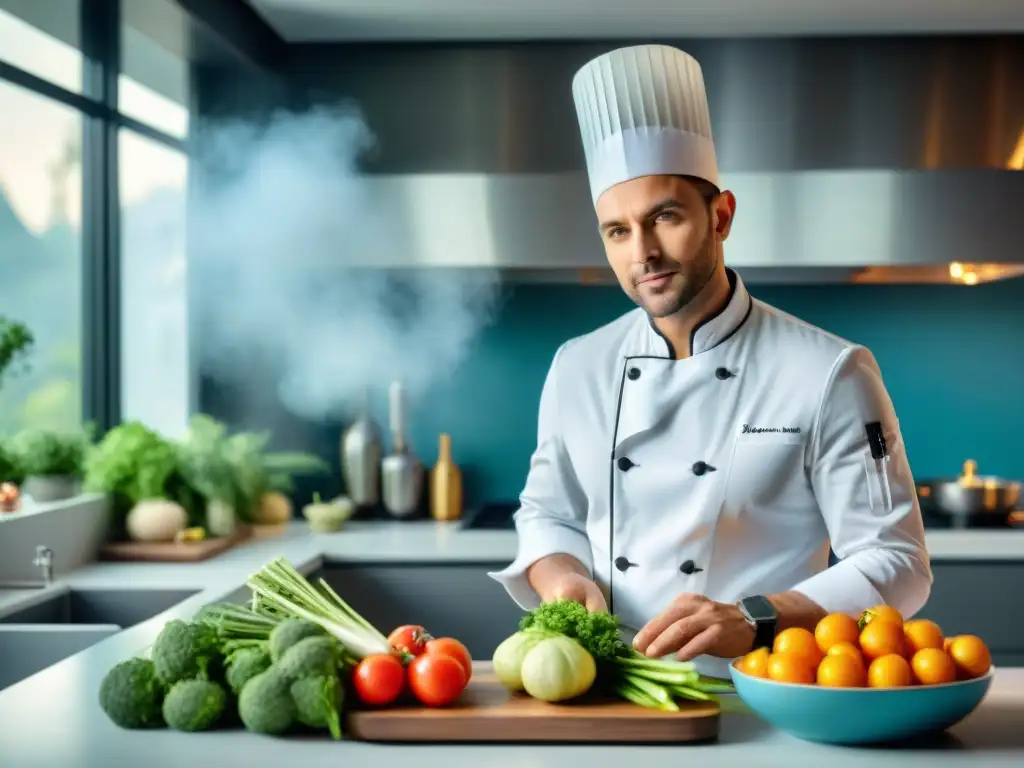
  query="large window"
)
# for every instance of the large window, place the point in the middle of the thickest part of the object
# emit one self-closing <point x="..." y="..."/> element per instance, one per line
<point x="153" y="86"/>
<point x="103" y="295"/>
<point x="41" y="255"/>
<point x="154" y="306"/>
<point x="95" y="102"/>
<point x="53" y="54"/>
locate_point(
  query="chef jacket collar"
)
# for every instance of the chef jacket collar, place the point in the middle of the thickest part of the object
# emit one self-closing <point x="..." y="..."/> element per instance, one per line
<point x="712" y="330"/>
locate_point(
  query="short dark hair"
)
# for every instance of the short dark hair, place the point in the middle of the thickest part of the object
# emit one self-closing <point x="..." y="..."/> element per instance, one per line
<point x="707" y="190"/>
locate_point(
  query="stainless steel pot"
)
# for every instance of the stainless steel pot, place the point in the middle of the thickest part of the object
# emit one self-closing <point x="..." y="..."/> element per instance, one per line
<point x="971" y="495"/>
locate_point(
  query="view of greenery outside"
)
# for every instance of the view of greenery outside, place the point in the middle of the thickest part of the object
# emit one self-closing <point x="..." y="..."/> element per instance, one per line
<point x="41" y="209"/>
<point x="40" y="258"/>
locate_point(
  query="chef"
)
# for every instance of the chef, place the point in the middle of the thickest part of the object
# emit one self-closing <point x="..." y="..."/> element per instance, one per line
<point x="698" y="457"/>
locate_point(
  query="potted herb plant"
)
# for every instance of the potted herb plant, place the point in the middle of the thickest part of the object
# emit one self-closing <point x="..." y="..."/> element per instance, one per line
<point x="51" y="462"/>
<point x="264" y="479"/>
<point x="204" y="465"/>
<point x="141" y="471"/>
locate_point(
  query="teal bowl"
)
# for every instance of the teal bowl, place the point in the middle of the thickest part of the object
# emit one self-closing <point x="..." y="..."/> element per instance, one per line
<point x="860" y="715"/>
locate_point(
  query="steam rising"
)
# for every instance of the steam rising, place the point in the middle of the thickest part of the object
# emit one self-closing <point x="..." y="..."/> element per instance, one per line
<point x="280" y="221"/>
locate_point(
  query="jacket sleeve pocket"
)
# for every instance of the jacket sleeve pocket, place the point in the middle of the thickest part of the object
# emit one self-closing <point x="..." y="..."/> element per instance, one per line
<point x="877" y="479"/>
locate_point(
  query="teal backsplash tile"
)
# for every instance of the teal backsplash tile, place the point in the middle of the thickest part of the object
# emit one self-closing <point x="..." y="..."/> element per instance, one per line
<point x="952" y="358"/>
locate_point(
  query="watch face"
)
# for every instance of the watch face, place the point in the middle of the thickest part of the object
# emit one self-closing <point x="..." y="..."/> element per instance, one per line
<point x="759" y="608"/>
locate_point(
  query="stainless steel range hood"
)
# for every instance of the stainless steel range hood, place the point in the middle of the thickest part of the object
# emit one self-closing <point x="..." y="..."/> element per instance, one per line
<point x="856" y="160"/>
<point x="815" y="226"/>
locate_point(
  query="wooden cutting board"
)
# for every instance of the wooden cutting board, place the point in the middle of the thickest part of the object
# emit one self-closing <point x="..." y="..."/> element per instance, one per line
<point x="487" y="712"/>
<point x="169" y="551"/>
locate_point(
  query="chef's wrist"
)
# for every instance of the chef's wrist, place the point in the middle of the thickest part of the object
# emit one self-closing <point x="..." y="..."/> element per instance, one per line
<point x="750" y="632"/>
<point x="794" y="609"/>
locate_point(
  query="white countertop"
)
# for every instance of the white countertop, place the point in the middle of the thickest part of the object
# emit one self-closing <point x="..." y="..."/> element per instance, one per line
<point x="1001" y="544"/>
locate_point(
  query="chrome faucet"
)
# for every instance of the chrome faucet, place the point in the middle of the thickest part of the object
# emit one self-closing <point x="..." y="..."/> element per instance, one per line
<point x="44" y="562"/>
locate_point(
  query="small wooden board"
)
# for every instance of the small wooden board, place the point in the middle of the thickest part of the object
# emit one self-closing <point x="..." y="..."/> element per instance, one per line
<point x="169" y="551"/>
<point x="487" y="712"/>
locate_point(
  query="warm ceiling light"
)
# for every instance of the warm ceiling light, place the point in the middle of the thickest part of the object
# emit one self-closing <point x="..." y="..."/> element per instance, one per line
<point x="1016" y="161"/>
<point x="970" y="278"/>
<point x="956" y="270"/>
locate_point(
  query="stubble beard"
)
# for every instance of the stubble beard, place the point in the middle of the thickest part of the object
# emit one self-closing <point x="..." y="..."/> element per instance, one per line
<point x="694" y="280"/>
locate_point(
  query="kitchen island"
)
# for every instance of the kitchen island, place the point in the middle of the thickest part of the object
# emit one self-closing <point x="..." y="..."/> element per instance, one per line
<point x="53" y="718"/>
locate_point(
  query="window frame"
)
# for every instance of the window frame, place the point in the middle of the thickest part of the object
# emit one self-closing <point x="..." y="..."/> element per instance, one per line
<point x="101" y="225"/>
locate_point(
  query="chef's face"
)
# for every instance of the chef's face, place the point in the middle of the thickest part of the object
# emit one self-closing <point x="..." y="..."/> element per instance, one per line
<point x="662" y="236"/>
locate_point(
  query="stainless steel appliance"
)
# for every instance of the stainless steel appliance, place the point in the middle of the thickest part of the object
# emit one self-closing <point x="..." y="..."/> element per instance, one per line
<point x="401" y="470"/>
<point x="846" y="155"/>
<point x="971" y="500"/>
<point x="360" y="459"/>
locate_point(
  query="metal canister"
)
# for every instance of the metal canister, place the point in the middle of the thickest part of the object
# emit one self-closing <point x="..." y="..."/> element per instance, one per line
<point x="360" y="461"/>
<point x="401" y="471"/>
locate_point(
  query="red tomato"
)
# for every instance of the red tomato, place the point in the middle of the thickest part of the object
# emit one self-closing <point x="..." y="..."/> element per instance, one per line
<point x="409" y="638"/>
<point x="379" y="679"/>
<point x="449" y="646"/>
<point x="436" y="679"/>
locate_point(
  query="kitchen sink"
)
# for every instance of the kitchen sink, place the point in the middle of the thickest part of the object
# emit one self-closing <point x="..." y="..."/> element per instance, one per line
<point x="52" y="627"/>
<point x="30" y="648"/>
<point x="122" y="608"/>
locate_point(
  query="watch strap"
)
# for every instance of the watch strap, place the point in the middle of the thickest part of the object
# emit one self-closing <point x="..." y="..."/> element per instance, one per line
<point x="764" y="633"/>
<point x="765" y="627"/>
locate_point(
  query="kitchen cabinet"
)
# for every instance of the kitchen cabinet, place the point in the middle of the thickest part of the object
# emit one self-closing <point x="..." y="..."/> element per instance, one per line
<point x="983" y="599"/>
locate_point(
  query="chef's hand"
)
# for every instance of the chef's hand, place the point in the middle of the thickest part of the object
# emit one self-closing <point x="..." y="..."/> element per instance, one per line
<point x="573" y="586"/>
<point x="564" y="577"/>
<point x="694" y="625"/>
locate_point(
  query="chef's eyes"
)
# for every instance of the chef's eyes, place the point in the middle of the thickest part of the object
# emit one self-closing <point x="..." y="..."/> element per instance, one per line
<point x="665" y="217"/>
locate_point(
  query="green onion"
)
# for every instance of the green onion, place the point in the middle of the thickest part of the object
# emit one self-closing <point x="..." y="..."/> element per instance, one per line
<point x="283" y="589"/>
<point x="236" y="622"/>
<point x="237" y="627"/>
<point x="715" y="685"/>
<point x="663" y="681"/>
<point x="689" y="692"/>
<point x="631" y="692"/>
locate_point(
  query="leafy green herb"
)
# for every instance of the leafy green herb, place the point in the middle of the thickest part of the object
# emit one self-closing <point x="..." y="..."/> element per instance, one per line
<point x="132" y="461"/>
<point x="597" y="631"/>
<point x="204" y="463"/>
<point x="49" y="453"/>
<point x="255" y="472"/>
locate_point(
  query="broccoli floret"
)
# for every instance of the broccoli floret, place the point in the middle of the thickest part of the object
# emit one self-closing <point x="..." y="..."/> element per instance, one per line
<point x="244" y="664"/>
<point x="265" y="704"/>
<point x="131" y="695"/>
<point x="184" y="651"/>
<point x="310" y="657"/>
<point x="318" y="701"/>
<point x="597" y="631"/>
<point x="288" y="633"/>
<point x="194" y="705"/>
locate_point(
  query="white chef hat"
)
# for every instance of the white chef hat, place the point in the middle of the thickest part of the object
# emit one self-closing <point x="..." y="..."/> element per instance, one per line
<point x="643" y="111"/>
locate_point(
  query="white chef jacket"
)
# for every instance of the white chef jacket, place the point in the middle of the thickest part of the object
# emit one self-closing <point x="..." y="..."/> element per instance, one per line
<point x="729" y="473"/>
